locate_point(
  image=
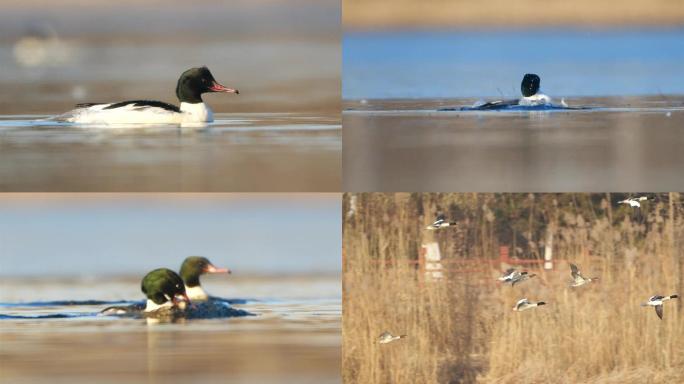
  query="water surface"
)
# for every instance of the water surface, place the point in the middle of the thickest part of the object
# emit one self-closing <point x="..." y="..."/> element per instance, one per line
<point x="491" y="63"/>
<point x="295" y="336"/>
<point x="630" y="144"/>
<point x="238" y="152"/>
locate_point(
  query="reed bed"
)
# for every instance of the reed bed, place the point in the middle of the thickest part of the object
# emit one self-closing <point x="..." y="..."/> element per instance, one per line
<point x="461" y="328"/>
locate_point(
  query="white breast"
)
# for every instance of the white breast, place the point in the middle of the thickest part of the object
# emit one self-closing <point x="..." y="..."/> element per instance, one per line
<point x="196" y="293"/>
<point x="196" y="113"/>
<point x="538" y="99"/>
<point x="152" y="306"/>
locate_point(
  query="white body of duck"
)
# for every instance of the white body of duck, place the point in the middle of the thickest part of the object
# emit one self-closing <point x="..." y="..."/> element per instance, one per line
<point x="192" y="110"/>
<point x="387" y="337"/>
<point x="657" y="302"/>
<point x="524" y="304"/>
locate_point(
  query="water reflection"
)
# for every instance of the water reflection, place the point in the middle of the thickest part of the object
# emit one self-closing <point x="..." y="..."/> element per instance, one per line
<point x="399" y="146"/>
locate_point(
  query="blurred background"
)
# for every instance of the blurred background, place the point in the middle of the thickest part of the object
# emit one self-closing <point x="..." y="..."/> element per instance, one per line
<point x="59" y="250"/>
<point x="463" y="48"/>
<point x="283" y="55"/>
<point x="86" y="235"/>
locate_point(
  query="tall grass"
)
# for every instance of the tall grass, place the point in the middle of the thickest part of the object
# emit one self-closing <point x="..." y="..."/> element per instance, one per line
<point x="462" y="328"/>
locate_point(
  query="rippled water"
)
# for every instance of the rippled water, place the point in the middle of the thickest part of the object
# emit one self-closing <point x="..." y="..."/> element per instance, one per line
<point x="238" y="152"/>
<point x="630" y="144"/>
<point x="295" y="336"/>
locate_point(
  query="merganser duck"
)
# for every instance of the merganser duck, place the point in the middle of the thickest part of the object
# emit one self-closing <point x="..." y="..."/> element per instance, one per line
<point x="578" y="279"/>
<point x="524" y="304"/>
<point x="163" y="287"/>
<point x="657" y="302"/>
<point x="191" y="270"/>
<point x="529" y="88"/>
<point x="513" y="276"/>
<point x="387" y="337"/>
<point x="191" y="85"/>
<point x="634" y="202"/>
<point x="440" y="222"/>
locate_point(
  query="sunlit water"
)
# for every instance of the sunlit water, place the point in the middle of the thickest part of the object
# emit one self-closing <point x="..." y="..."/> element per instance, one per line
<point x="631" y="144"/>
<point x="294" y="337"/>
<point x="237" y="152"/>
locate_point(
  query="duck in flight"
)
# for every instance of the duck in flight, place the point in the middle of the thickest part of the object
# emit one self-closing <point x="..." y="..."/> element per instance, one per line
<point x="514" y="276"/>
<point x="577" y="278"/>
<point x="524" y="304"/>
<point x="657" y="302"/>
<point x="191" y="85"/>
<point x="440" y="222"/>
<point x="634" y="202"/>
<point x="386" y="337"/>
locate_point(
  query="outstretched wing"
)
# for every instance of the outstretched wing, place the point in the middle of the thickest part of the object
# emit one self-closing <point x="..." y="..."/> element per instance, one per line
<point x="659" y="311"/>
<point x="575" y="271"/>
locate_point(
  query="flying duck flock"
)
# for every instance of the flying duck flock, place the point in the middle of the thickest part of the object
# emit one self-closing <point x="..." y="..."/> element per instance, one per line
<point x="191" y="85"/>
<point x="171" y="296"/>
<point x="513" y="276"/>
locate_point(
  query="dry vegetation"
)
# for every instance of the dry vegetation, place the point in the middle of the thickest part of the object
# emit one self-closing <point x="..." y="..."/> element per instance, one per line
<point x="462" y="328"/>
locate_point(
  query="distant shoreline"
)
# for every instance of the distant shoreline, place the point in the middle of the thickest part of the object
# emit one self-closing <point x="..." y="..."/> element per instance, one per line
<point x="385" y="14"/>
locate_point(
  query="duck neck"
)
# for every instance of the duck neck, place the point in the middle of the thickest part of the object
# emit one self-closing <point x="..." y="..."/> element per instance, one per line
<point x="196" y="293"/>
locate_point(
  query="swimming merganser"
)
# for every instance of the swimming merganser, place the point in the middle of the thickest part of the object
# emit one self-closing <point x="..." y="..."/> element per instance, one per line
<point x="387" y="337"/>
<point x="191" y="270"/>
<point x="634" y="202"/>
<point x="524" y="304"/>
<point x="440" y="222"/>
<point x="577" y="278"/>
<point x="513" y="276"/>
<point x="191" y="85"/>
<point x="532" y="97"/>
<point x="657" y="302"/>
<point x="163" y="287"/>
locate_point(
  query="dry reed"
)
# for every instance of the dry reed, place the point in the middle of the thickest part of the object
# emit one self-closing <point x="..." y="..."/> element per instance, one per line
<point x="462" y="329"/>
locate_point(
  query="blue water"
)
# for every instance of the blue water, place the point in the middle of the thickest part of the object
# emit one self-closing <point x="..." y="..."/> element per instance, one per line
<point x="457" y="64"/>
<point x="96" y="235"/>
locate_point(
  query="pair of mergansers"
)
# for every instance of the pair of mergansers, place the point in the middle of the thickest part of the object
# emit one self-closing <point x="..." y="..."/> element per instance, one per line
<point x="192" y="84"/>
<point x="168" y="292"/>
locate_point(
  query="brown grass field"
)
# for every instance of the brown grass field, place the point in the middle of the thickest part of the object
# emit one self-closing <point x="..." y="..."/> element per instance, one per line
<point x="461" y="329"/>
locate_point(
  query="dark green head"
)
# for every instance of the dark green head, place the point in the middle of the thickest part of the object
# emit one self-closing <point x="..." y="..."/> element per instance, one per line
<point x="196" y="81"/>
<point x="195" y="266"/>
<point x="162" y="285"/>
<point x="530" y="85"/>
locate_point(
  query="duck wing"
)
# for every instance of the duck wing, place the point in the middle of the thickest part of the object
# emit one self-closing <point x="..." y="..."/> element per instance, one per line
<point x="143" y="104"/>
<point x="575" y="271"/>
<point x="659" y="311"/>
